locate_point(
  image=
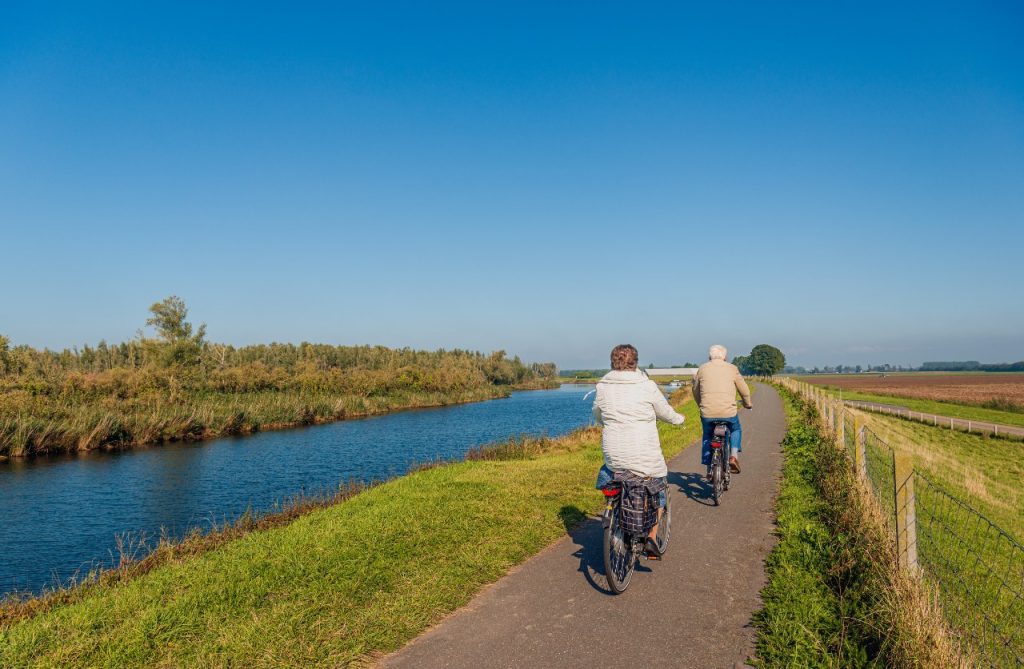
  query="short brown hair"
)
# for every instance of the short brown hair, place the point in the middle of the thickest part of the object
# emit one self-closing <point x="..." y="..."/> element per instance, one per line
<point x="624" y="357"/>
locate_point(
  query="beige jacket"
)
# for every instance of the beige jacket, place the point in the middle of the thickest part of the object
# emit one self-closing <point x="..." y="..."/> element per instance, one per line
<point x="715" y="386"/>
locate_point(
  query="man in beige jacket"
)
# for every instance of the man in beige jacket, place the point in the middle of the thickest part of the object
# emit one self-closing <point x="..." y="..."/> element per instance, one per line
<point x="714" y="389"/>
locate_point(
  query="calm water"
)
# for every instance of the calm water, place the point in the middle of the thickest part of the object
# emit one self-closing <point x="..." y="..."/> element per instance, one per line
<point x="62" y="515"/>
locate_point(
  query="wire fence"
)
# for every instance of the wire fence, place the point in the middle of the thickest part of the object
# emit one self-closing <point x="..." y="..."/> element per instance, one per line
<point x="880" y="473"/>
<point x="849" y="435"/>
<point x="977" y="567"/>
<point x="980" y="571"/>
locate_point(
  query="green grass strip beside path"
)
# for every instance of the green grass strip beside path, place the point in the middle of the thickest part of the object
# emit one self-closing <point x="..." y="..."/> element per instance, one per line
<point x="338" y="585"/>
<point x="817" y="604"/>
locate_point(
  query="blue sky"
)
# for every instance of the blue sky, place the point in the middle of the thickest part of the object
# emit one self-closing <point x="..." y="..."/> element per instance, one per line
<point x="842" y="180"/>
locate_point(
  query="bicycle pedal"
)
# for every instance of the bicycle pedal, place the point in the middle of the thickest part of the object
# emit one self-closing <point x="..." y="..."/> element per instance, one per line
<point x="653" y="558"/>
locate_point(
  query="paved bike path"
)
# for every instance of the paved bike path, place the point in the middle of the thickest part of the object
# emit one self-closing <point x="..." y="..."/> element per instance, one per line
<point x="693" y="609"/>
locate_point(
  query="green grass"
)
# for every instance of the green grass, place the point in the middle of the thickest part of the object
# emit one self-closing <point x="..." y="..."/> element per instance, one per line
<point x="337" y="586"/>
<point x="984" y="472"/>
<point x="964" y="411"/>
<point x="812" y="602"/>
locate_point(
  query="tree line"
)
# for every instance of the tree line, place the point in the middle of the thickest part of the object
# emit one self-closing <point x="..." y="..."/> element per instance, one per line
<point x="181" y="351"/>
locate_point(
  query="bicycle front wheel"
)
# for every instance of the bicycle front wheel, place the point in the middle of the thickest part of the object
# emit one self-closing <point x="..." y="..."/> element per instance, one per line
<point x="619" y="559"/>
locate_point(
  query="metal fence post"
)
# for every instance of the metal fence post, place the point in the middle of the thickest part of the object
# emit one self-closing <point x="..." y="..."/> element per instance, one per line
<point x="906" y="516"/>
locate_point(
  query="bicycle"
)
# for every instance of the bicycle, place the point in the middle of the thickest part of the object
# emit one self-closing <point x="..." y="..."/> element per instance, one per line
<point x="622" y="550"/>
<point x="720" y="474"/>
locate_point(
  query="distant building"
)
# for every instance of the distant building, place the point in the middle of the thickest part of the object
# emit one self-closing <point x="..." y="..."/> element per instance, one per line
<point x="677" y="372"/>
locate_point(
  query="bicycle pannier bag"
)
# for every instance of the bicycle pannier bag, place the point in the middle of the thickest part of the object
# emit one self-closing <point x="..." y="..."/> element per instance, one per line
<point x="638" y="508"/>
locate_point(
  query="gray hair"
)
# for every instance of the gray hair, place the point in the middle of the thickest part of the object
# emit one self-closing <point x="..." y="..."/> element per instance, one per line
<point x="717" y="352"/>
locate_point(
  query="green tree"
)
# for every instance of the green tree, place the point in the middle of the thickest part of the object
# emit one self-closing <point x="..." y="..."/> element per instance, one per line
<point x="169" y="320"/>
<point x="766" y="360"/>
<point x="743" y="362"/>
<point x="178" y="343"/>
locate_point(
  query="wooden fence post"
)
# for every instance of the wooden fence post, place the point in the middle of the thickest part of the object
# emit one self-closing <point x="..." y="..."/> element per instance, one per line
<point x="841" y="432"/>
<point x="858" y="447"/>
<point x="906" y="517"/>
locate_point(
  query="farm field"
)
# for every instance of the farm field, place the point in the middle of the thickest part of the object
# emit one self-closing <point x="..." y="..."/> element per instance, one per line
<point x="995" y="398"/>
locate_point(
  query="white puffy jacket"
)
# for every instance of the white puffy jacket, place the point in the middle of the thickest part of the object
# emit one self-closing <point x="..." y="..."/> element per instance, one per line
<point x="628" y="405"/>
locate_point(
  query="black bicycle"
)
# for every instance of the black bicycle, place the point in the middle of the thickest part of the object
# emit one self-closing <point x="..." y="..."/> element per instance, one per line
<point x="623" y="549"/>
<point x="720" y="474"/>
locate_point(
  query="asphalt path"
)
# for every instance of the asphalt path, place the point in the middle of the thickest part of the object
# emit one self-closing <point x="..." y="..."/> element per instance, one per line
<point x="692" y="609"/>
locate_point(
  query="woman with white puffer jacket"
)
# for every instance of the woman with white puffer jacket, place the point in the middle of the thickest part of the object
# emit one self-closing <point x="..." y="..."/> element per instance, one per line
<point x="628" y="406"/>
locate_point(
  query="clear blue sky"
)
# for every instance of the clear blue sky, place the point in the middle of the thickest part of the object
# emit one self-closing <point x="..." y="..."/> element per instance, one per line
<point x="843" y="180"/>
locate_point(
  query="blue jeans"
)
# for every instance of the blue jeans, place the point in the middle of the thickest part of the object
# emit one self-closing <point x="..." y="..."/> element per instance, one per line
<point x="604" y="477"/>
<point x="735" y="438"/>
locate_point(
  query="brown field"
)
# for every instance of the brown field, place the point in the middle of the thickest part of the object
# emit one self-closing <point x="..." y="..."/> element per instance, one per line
<point x="976" y="389"/>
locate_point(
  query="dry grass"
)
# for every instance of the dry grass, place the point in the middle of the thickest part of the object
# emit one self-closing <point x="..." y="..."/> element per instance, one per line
<point x="42" y="425"/>
<point x="909" y="603"/>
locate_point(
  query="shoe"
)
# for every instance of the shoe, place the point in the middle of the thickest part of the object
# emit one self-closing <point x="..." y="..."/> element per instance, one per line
<point x="709" y="477"/>
<point x="652" y="549"/>
<point x="734" y="464"/>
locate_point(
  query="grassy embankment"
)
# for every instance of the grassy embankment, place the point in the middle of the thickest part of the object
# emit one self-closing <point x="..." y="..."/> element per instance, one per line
<point x="338" y="585"/>
<point x="38" y="426"/>
<point x="835" y="597"/>
<point x="955" y="410"/>
<point x="983" y="471"/>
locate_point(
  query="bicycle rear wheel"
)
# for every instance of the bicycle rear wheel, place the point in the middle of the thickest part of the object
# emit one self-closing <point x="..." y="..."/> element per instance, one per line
<point x="665" y="524"/>
<point x="717" y="477"/>
<point x="619" y="559"/>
